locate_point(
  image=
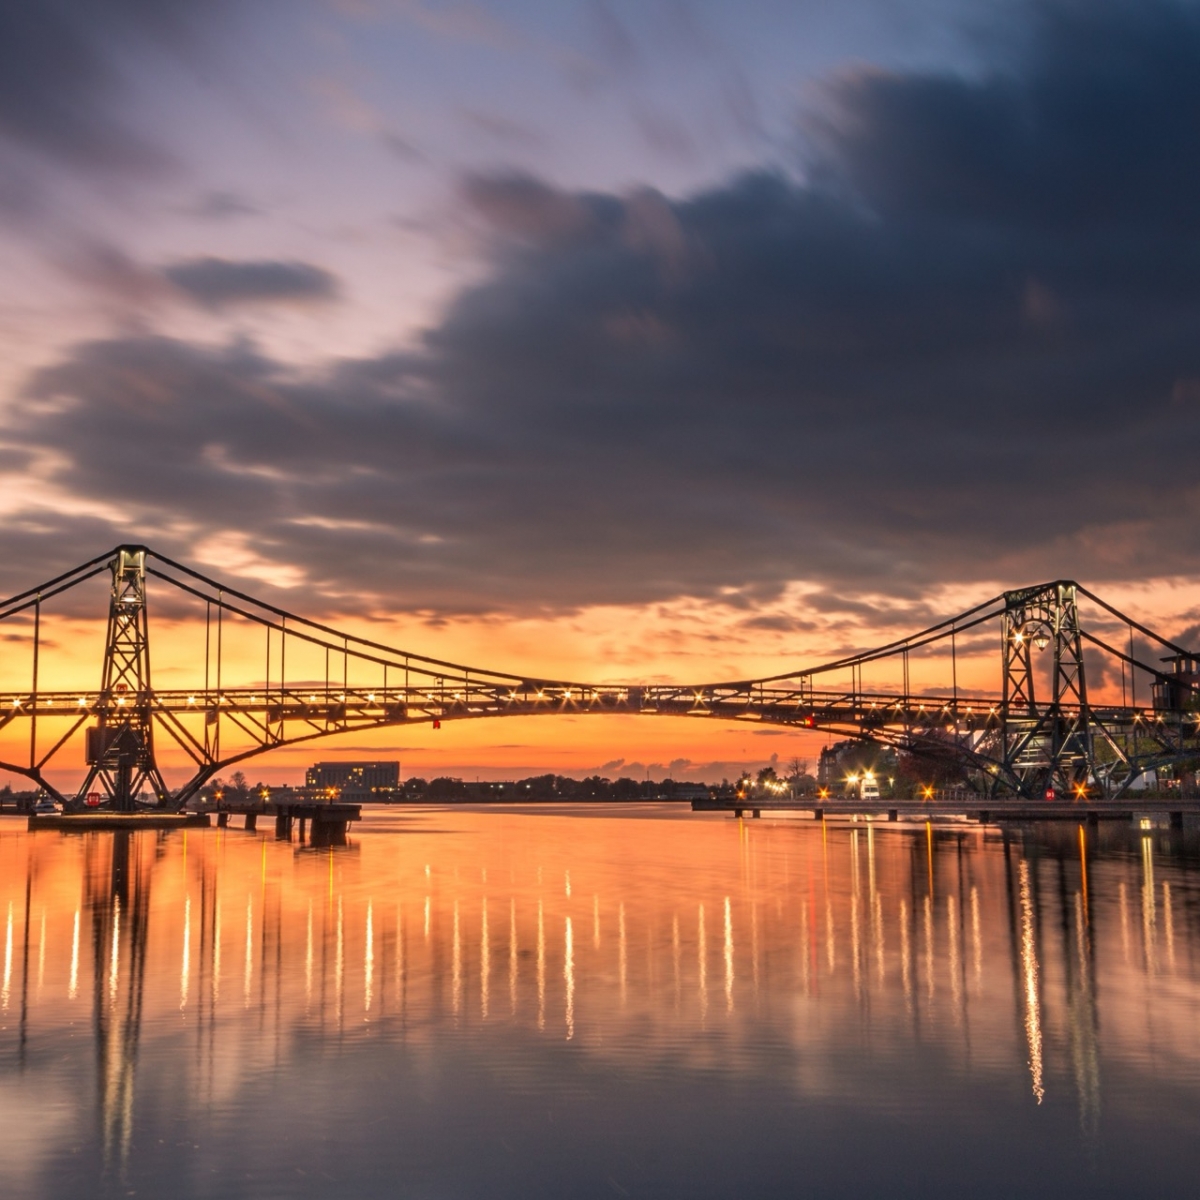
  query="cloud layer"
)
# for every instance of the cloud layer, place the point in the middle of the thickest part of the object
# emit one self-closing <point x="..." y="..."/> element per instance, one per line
<point x="967" y="346"/>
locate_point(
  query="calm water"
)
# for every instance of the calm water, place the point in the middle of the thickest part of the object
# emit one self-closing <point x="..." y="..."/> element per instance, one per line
<point x="600" y="1003"/>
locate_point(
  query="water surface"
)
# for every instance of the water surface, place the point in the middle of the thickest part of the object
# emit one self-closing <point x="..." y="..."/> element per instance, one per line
<point x="600" y="1002"/>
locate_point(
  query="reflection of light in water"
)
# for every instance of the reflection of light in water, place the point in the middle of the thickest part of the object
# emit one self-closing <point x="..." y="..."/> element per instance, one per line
<point x="569" y="978"/>
<point x="675" y="956"/>
<point x="308" y="961"/>
<point x="1084" y="1055"/>
<point x="855" y="946"/>
<point x="905" y="956"/>
<point x="427" y="909"/>
<point x="339" y="966"/>
<point x="805" y="950"/>
<point x="728" y="957"/>
<point x="485" y="961"/>
<point x="830" y="955"/>
<point x="541" y="967"/>
<point x="596" y="922"/>
<point x="1149" y="913"/>
<point x="877" y="927"/>
<point x="369" y="959"/>
<point x="1168" y="924"/>
<point x="928" y="914"/>
<point x="1029" y="984"/>
<point x="622" y="974"/>
<point x="456" y="964"/>
<point x="955" y="966"/>
<point x="216" y="977"/>
<point x="42" y="955"/>
<point x="754" y="943"/>
<point x="568" y="884"/>
<point x="114" y="955"/>
<point x="185" y="968"/>
<point x="8" y="956"/>
<point x="512" y="955"/>
<point x="1123" y="908"/>
<point x="73" y="984"/>
<point x="248" y="970"/>
<point x="976" y="938"/>
<point x="701" y="957"/>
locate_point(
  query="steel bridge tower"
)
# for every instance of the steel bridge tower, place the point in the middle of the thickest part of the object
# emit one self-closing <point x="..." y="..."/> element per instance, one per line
<point x="120" y="746"/>
<point x="1045" y="746"/>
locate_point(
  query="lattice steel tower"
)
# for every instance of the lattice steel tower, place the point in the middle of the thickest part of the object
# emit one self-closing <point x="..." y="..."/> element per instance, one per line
<point x="1046" y="746"/>
<point x="120" y="746"/>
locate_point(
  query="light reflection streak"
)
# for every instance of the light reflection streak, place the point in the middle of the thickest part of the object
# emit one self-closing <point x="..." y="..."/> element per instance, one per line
<point x="427" y="911"/>
<point x="1168" y="925"/>
<point x="485" y="961"/>
<point x="622" y="972"/>
<point x="308" y="962"/>
<point x="185" y="967"/>
<point x="541" y="967"/>
<point x="956" y="994"/>
<point x="216" y="977"/>
<point x="675" y="958"/>
<point x="339" y="968"/>
<point x="569" y="978"/>
<point x="1123" y="909"/>
<point x="369" y="960"/>
<point x="976" y="939"/>
<point x="1149" y="913"/>
<point x="8" y="957"/>
<point x="248" y="970"/>
<point x="41" y="955"/>
<point x="512" y="956"/>
<point x="702" y="963"/>
<point x="114" y="954"/>
<point x="1029" y="984"/>
<point x="728" y="957"/>
<point x="73" y="979"/>
<point x="905" y="957"/>
<point x="456" y="965"/>
<point x="928" y="927"/>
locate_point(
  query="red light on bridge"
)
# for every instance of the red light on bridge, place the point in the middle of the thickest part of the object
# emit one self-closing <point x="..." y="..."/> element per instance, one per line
<point x="1050" y="793"/>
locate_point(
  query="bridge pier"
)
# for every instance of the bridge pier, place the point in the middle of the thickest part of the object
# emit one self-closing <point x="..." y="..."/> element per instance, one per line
<point x="1177" y="820"/>
<point x="893" y="814"/>
<point x="222" y="820"/>
<point x="818" y="814"/>
<point x="251" y="822"/>
<point x="283" y="825"/>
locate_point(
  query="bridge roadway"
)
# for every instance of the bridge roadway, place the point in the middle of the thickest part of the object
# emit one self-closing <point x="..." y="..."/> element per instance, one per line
<point x="883" y="715"/>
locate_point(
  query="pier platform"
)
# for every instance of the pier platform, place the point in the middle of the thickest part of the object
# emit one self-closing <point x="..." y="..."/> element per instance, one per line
<point x="983" y="809"/>
<point x="86" y="822"/>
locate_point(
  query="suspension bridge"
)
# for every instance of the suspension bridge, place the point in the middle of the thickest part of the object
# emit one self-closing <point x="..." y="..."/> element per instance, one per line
<point x="1037" y="732"/>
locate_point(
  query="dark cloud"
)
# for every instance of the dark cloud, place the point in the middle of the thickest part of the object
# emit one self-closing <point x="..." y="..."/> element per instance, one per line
<point x="223" y="206"/>
<point x="976" y="359"/>
<point x="220" y="282"/>
<point x="64" y="88"/>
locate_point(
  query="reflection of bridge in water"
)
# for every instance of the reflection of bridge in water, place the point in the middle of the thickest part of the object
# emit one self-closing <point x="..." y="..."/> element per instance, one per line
<point x="228" y="955"/>
<point x="1038" y="729"/>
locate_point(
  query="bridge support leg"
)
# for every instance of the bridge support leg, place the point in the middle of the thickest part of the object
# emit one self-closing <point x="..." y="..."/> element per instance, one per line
<point x="893" y="814"/>
<point x="251" y="822"/>
<point x="1177" y="820"/>
<point x="818" y="814"/>
<point x="283" y="826"/>
<point x="222" y="820"/>
<point x="757" y="812"/>
<point x="300" y="831"/>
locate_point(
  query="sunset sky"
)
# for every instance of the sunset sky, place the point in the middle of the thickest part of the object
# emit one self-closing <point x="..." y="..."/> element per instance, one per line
<point x="612" y="340"/>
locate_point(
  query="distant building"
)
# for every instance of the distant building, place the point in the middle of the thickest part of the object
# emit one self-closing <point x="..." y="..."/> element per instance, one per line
<point x="355" y="781"/>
